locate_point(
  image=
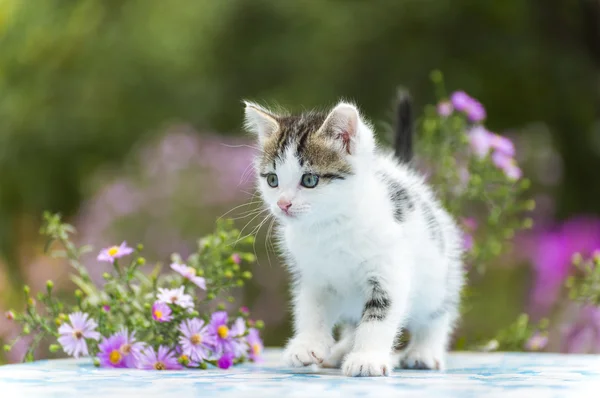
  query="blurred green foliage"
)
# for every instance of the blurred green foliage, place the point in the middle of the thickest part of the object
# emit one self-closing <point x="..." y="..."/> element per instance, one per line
<point x="82" y="81"/>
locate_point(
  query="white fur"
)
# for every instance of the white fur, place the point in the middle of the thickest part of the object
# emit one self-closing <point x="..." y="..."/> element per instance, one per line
<point x="343" y="233"/>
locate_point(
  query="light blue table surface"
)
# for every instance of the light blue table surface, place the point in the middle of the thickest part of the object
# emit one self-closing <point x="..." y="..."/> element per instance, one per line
<point x="505" y="375"/>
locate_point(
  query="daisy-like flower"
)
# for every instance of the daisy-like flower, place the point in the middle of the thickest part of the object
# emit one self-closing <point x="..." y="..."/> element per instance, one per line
<point x="164" y="359"/>
<point x="110" y="354"/>
<point x="507" y="164"/>
<point x="503" y="145"/>
<point x="481" y="141"/>
<point x="226" y="361"/>
<point x="537" y="342"/>
<point x="256" y="345"/>
<point x="190" y="274"/>
<point x="195" y="340"/>
<point x="225" y="340"/>
<point x="110" y="254"/>
<point x="131" y="349"/>
<point x="161" y="312"/>
<point x="470" y="106"/>
<point x="73" y="335"/>
<point x="176" y="296"/>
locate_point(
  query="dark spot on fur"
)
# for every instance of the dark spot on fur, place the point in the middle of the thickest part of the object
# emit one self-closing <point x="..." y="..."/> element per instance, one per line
<point x="378" y="304"/>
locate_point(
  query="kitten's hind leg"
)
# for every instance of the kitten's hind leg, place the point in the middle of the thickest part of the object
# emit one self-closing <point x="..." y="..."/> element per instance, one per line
<point x="427" y="348"/>
<point x="341" y="348"/>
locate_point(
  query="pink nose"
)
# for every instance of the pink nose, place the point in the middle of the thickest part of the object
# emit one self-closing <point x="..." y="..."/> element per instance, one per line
<point x="284" y="204"/>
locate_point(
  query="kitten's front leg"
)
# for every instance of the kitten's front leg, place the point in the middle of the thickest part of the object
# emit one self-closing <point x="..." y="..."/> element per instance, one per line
<point x="314" y="315"/>
<point x="382" y="314"/>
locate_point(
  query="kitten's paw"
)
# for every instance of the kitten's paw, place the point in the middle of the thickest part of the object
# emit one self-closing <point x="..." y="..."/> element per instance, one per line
<point x="422" y="359"/>
<point x="306" y="350"/>
<point x="369" y="363"/>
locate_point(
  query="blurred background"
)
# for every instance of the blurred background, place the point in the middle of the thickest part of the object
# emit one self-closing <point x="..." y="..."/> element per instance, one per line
<point x="125" y="116"/>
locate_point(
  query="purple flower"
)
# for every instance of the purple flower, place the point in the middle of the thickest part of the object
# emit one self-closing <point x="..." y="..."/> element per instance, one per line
<point x="176" y="297"/>
<point x="444" y="108"/>
<point x="106" y="308"/>
<point x="244" y="310"/>
<point x="225" y="340"/>
<point x="256" y="345"/>
<point x="551" y="251"/>
<point x="110" y="354"/>
<point x="131" y="349"/>
<point x="72" y="336"/>
<point x="190" y="274"/>
<point x="583" y="336"/>
<point x="195" y="340"/>
<point x="507" y="164"/>
<point x="225" y="361"/>
<point x="464" y="103"/>
<point x="236" y="258"/>
<point x="161" y="312"/>
<point x="503" y="145"/>
<point x="481" y="141"/>
<point x="110" y="254"/>
<point x="537" y="342"/>
<point x="164" y="359"/>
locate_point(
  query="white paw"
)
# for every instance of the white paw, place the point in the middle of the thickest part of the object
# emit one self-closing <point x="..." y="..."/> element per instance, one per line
<point x="369" y="363"/>
<point x="307" y="350"/>
<point x="422" y="359"/>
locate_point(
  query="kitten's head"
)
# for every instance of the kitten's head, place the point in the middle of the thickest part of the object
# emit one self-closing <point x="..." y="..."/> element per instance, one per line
<point x="308" y="161"/>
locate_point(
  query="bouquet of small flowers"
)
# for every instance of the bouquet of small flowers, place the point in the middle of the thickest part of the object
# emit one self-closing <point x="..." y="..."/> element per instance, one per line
<point x="143" y="318"/>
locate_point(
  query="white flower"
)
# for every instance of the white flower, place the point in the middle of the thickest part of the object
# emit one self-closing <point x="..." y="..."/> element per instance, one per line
<point x="175" y="296"/>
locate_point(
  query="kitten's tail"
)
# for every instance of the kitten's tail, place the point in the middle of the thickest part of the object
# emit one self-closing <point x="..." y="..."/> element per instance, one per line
<point x="403" y="129"/>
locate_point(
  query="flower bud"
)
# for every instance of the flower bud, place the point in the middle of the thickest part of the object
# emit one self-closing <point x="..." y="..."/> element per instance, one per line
<point x="231" y="299"/>
<point x="78" y="293"/>
<point x="240" y="282"/>
<point x="247" y="275"/>
<point x="236" y="258"/>
<point x="63" y="317"/>
<point x="26" y="289"/>
<point x="57" y="322"/>
<point x="527" y="223"/>
<point x="96" y="362"/>
<point x="53" y="347"/>
<point x="140" y="247"/>
<point x="140" y="261"/>
<point x="30" y="302"/>
<point x="228" y="274"/>
<point x="259" y="324"/>
<point x="10" y="315"/>
<point x="194" y="313"/>
<point x="106" y="276"/>
<point x="6" y="347"/>
<point x="203" y="365"/>
<point x="530" y="205"/>
<point x="210" y="296"/>
<point x="220" y="306"/>
<point x="49" y="285"/>
<point x="26" y="329"/>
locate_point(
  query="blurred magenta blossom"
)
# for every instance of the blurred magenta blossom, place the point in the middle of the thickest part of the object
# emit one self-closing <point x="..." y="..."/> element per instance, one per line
<point x="462" y="102"/>
<point x="583" y="335"/>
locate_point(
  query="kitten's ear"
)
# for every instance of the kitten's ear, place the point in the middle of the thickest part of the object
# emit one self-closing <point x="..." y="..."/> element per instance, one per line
<point x="260" y="121"/>
<point x="342" y="125"/>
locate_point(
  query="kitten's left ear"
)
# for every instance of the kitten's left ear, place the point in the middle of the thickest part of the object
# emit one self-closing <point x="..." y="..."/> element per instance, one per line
<point x="342" y="125"/>
<point x="260" y="121"/>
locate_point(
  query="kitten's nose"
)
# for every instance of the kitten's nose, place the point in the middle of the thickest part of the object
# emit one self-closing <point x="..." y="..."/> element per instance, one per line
<point x="284" y="204"/>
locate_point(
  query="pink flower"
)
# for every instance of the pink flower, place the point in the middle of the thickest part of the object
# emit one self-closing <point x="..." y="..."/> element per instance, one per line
<point x="189" y="273"/>
<point x="536" y="342"/>
<point x="226" y="361"/>
<point x="481" y="141"/>
<point x="110" y="254"/>
<point x="161" y="312"/>
<point x="445" y="108"/>
<point x="236" y="258"/>
<point x="72" y="336"/>
<point x="503" y="145"/>
<point x="470" y="106"/>
<point x="106" y="308"/>
<point x="507" y="164"/>
<point x="9" y="315"/>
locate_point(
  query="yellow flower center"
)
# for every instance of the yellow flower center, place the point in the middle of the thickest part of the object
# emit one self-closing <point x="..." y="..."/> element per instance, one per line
<point x="222" y="331"/>
<point x="158" y="314"/>
<point x="113" y="251"/>
<point x="126" y="349"/>
<point x="159" y="366"/>
<point x="184" y="358"/>
<point x="114" y="357"/>
<point x="196" y="339"/>
<point x="192" y="271"/>
<point x="77" y="334"/>
<point x="256" y="348"/>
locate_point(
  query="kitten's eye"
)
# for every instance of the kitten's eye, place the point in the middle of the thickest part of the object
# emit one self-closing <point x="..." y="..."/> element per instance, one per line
<point x="272" y="180"/>
<point x="309" y="180"/>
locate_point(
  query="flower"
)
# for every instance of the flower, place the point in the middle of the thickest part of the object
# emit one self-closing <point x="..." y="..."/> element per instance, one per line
<point x="161" y="360"/>
<point x="9" y="315"/>
<point x="161" y="312"/>
<point x="131" y="348"/>
<point x="507" y="164"/>
<point x="464" y="103"/>
<point x="175" y="296"/>
<point x="236" y="258"/>
<point x="111" y="253"/>
<point x="502" y="145"/>
<point x="190" y="274"/>
<point x="73" y="335"/>
<point x="244" y="310"/>
<point x="255" y="344"/>
<point x="195" y="340"/>
<point x="110" y="354"/>
<point x="224" y="337"/>
<point x="106" y="308"/>
<point x="481" y="141"/>
<point x="225" y="361"/>
<point x="536" y="342"/>
<point x="445" y="108"/>
<point x="583" y="335"/>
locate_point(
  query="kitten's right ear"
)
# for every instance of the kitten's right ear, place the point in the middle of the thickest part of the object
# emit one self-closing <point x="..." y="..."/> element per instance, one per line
<point x="260" y="121"/>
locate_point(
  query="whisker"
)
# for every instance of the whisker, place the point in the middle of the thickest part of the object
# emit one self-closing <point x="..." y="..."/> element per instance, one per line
<point x="237" y="207"/>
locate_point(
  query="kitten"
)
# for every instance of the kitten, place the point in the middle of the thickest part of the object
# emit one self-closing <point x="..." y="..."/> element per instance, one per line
<point x="365" y="240"/>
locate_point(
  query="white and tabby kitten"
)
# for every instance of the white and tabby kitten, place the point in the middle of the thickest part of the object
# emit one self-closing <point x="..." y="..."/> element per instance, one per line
<point x="365" y="239"/>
